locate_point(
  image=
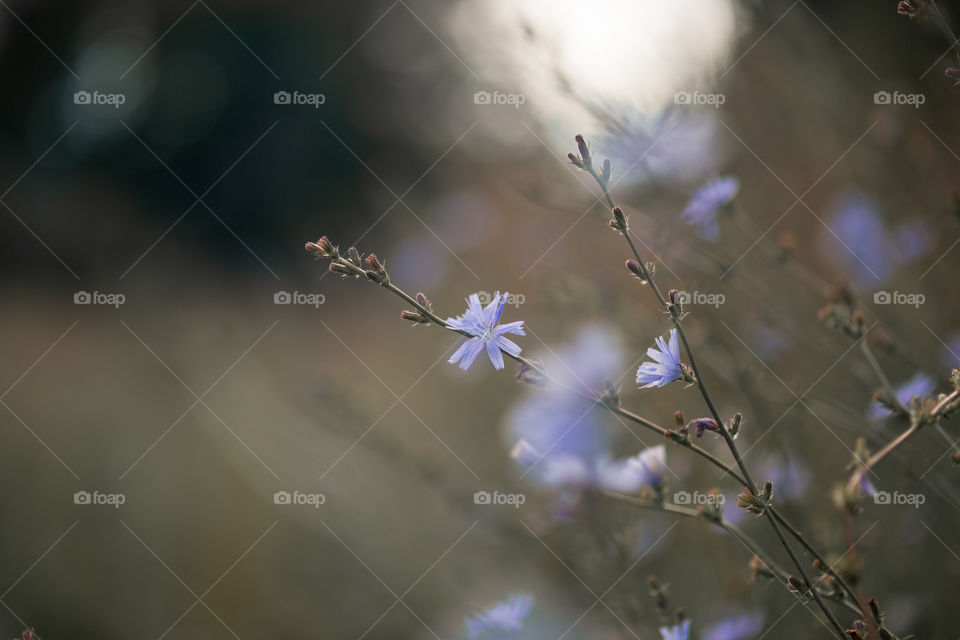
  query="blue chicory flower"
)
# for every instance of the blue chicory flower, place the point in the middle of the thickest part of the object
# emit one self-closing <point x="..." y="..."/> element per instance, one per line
<point x="561" y="440"/>
<point x="676" y="632"/>
<point x="702" y="209"/>
<point x="569" y="471"/>
<point x="482" y="323"/>
<point x="869" y="252"/>
<point x="919" y="385"/>
<point x="739" y="627"/>
<point x="506" y="615"/>
<point x="666" y="366"/>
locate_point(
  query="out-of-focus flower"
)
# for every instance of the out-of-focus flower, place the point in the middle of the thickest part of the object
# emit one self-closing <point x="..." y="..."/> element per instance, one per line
<point x="562" y="440"/>
<point x="738" y="627"/>
<point x="788" y="475"/>
<point x="506" y="615"/>
<point x="866" y="487"/>
<point x="666" y="366"/>
<point x="482" y="323"/>
<point x="565" y="470"/>
<point x="705" y="205"/>
<point x="951" y="352"/>
<point x="871" y="253"/>
<point x="676" y="632"/>
<point x="919" y="385"/>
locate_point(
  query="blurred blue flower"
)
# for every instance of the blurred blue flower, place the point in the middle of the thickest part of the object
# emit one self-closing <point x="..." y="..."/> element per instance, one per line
<point x="866" y="487"/>
<point x="737" y="627"/>
<point x="561" y="440"/>
<point x="556" y="421"/>
<point x="506" y="615"/>
<point x="666" y="366"/>
<point x="788" y="475"/>
<point x="702" y="209"/>
<point x="912" y="240"/>
<point x="676" y="632"/>
<point x="565" y="470"/>
<point x="482" y="323"/>
<point x="951" y="351"/>
<point x="871" y="253"/>
<point x="674" y="146"/>
<point x="919" y="385"/>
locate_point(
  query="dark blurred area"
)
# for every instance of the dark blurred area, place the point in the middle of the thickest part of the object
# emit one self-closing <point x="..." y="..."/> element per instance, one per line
<point x="167" y="339"/>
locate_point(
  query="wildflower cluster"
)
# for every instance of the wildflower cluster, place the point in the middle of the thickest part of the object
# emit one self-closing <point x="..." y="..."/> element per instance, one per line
<point x="560" y="441"/>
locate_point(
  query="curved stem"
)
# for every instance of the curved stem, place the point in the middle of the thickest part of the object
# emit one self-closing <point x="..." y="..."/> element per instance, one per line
<point x="672" y="436"/>
<point x="731" y="445"/>
<point x="932" y="418"/>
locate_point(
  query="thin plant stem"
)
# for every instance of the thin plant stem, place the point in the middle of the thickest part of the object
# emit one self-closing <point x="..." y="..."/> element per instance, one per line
<point x="730" y="528"/>
<point x="881" y="374"/>
<point x="668" y="434"/>
<point x="728" y="439"/>
<point x="915" y="425"/>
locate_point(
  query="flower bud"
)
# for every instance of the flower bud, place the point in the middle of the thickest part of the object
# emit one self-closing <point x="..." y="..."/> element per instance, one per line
<point x="619" y="222"/>
<point x="703" y="424"/>
<point x="342" y="270"/>
<point x="875" y="610"/>
<point x="322" y="248"/>
<point x="606" y="171"/>
<point x="584" y="150"/>
<point x="575" y="160"/>
<point x="528" y="375"/>
<point x="413" y="316"/>
<point x="759" y="568"/>
<point x="796" y="585"/>
<point x="734" y="424"/>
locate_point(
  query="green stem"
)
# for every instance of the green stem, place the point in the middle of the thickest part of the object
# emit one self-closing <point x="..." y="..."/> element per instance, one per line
<point x="728" y="439"/>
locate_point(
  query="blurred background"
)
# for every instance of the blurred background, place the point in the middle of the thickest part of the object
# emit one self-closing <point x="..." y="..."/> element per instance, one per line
<point x="173" y="358"/>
